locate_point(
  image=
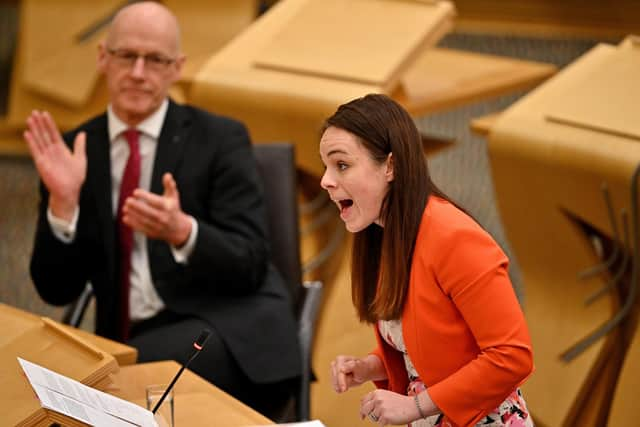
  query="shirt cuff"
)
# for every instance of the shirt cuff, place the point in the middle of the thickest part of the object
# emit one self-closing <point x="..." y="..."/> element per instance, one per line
<point x="64" y="231"/>
<point x="182" y="254"/>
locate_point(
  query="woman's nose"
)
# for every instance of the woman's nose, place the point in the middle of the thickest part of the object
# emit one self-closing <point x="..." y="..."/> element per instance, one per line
<point x="326" y="181"/>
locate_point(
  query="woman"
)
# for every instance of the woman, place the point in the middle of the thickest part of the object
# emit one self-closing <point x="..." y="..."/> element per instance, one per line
<point x="453" y="346"/>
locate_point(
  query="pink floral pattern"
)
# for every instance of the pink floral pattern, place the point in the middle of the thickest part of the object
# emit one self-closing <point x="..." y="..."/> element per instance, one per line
<point x="512" y="412"/>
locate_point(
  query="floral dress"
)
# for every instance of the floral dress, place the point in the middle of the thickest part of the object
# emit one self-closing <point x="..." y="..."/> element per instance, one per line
<point x="510" y="413"/>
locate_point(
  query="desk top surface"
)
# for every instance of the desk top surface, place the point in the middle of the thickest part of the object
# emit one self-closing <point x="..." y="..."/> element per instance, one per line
<point x="197" y="402"/>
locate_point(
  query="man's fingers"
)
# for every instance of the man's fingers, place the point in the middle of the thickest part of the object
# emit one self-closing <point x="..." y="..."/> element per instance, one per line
<point x="170" y="186"/>
<point x="140" y="208"/>
<point x="50" y="127"/>
<point x="153" y="200"/>
<point x="33" y="145"/>
<point x="41" y="129"/>
<point x="79" y="145"/>
<point x="140" y="222"/>
<point x="34" y="132"/>
<point x="44" y="131"/>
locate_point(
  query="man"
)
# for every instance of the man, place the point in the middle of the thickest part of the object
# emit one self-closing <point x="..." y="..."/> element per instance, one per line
<point x="159" y="207"/>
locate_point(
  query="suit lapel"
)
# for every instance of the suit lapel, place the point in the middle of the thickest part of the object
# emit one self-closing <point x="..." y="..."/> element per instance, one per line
<point x="171" y="145"/>
<point x="99" y="179"/>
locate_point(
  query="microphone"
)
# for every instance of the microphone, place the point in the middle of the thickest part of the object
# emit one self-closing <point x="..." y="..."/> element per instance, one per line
<point x="197" y="347"/>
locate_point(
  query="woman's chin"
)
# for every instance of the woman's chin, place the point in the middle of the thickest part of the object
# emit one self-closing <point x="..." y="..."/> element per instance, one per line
<point x="353" y="227"/>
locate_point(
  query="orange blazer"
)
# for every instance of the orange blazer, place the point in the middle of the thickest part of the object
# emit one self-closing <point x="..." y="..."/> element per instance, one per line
<point x="462" y="325"/>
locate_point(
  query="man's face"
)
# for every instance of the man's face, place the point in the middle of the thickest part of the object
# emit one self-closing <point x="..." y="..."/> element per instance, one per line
<point x="140" y="61"/>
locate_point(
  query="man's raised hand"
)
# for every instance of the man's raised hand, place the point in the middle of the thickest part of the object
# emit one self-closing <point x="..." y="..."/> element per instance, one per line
<point x="62" y="171"/>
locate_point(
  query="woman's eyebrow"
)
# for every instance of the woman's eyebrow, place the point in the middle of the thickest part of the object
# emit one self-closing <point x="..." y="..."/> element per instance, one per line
<point x="336" y="151"/>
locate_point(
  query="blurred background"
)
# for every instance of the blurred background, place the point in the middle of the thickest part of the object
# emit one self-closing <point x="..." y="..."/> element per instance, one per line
<point x="540" y="31"/>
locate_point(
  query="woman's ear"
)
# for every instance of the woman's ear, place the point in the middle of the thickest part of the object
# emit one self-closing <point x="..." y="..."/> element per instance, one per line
<point x="389" y="171"/>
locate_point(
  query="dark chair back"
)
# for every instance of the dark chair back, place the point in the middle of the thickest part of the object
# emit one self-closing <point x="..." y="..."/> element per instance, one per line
<point x="276" y="165"/>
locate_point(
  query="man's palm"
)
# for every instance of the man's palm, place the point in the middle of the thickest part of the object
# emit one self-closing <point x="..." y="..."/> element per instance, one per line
<point x="62" y="171"/>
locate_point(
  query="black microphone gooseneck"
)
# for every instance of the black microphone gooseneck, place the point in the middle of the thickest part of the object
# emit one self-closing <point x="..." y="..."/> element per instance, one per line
<point x="197" y="346"/>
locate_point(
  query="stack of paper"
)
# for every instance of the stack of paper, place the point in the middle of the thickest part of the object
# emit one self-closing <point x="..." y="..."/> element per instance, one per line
<point x="72" y="399"/>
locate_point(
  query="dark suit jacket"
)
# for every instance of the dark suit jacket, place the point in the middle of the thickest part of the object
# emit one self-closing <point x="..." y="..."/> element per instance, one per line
<point x="228" y="280"/>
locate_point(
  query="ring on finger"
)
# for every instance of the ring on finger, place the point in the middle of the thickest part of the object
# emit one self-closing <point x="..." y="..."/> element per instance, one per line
<point x="373" y="417"/>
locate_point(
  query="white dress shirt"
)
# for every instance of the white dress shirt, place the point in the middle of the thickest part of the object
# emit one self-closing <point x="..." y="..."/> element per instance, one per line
<point x="144" y="301"/>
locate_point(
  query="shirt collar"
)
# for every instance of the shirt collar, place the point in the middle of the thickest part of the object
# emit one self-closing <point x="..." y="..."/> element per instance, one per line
<point x="150" y="126"/>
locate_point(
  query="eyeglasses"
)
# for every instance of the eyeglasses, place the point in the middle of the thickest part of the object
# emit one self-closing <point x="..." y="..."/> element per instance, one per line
<point x="152" y="61"/>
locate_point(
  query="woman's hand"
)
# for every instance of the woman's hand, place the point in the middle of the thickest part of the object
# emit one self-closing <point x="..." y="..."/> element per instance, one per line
<point x="386" y="407"/>
<point x="350" y="371"/>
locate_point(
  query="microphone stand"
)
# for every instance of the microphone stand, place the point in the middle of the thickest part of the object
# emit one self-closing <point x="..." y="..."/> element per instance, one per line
<point x="197" y="345"/>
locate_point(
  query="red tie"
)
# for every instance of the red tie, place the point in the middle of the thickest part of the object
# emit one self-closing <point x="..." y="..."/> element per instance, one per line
<point x="130" y="181"/>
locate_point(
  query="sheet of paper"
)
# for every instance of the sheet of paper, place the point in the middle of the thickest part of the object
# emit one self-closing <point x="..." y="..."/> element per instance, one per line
<point x="74" y="399"/>
<point x="313" y="423"/>
<point x="72" y="408"/>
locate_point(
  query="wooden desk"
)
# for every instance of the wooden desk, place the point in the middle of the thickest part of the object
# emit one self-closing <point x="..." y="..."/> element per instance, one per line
<point x="124" y="354"/>
<point x="442" y="79"/>
<point x="197" y="402"/>
<point x="46" y="343"/>
<point x="285" y="105"/>
<point x="550" y="154"/>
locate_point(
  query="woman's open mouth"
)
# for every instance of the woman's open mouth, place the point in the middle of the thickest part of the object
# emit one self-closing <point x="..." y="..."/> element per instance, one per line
<point x="345" y="204"/>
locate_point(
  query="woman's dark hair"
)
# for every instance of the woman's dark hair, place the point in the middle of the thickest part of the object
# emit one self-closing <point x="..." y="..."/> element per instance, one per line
<point x="381" y="258"/>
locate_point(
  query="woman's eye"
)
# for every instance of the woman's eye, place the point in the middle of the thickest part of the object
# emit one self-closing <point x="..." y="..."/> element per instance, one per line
<point x="342" y="166"/>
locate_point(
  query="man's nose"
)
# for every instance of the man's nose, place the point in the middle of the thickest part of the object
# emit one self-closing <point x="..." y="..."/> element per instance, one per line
<point x="137" y="69"/>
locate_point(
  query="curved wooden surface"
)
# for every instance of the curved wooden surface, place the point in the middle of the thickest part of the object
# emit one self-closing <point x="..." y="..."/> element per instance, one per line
<point x="548" y="179"/>
<point x="624" y="402"/>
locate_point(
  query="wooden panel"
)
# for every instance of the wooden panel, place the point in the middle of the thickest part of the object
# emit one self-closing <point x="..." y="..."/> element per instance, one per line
<point x="548" y="180"/>
<point x="46" y="343"/>
<point x="339" y="332"/>
<point x="482" y="125"/>
<point x="278" y="105"/>
<point x="606" y="98"/>
<point x="55" y="61"/>
<point x="441" y="79"/>
<point x="367" y="41"/>
<point x="124" y="354"/>
<point x="569" y="17"/>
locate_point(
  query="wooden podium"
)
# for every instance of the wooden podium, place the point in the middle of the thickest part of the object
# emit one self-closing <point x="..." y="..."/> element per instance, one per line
<point x="291" y="68"/>
<point x="564" y="161"/>
<point x="46" y="343"/>
<point x="62" y="349"/>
